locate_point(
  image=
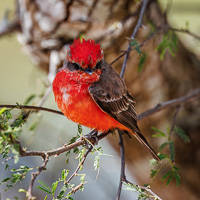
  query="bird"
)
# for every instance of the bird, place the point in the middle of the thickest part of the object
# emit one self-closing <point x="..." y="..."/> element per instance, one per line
<point x="90" y="92"/>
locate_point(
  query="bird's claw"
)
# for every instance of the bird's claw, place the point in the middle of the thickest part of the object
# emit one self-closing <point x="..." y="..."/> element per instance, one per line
<point x="91" y="136"/>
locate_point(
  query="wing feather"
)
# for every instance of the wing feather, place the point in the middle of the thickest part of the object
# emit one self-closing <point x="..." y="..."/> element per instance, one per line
<point x="111" y="94"/>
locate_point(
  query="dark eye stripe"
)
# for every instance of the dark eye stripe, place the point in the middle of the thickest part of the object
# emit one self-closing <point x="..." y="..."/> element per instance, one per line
<point x="98" y="65"/>
<point x="76" y="66"/>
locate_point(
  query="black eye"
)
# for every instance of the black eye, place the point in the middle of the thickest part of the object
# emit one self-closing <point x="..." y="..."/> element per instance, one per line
<point x="76" y="66"/>
<point x="98" y="65"/>
<point x="88" y="70"/>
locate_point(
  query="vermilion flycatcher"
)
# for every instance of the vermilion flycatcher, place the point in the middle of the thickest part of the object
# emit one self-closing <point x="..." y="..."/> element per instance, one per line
<point x="89" y="92"/>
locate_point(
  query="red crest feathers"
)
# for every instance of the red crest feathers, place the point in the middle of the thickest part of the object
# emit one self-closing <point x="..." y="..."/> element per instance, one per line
<point x="85" y="52"/>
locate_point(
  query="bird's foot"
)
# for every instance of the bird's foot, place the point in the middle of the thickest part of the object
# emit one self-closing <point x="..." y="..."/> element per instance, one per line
<point x="91" y="137"/>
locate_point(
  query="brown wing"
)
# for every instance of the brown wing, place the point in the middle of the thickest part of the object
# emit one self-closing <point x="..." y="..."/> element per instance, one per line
<point x="112" y="96"/>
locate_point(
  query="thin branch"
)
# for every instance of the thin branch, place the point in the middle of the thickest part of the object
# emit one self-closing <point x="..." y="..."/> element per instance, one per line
<point x="190" y="96"/>
<point x="80" y="164"/>
<point x="34" y="175"/>
<point x="63" y="149"/>
<point x="118" y="57"/>
<point x="139" y="23"/>
<point x="122" y="172"/>
<point x="36" y="108"/>
<point x="75" y="189"/>
<point x="147" y="189"/>
<point x="186" y="31"/>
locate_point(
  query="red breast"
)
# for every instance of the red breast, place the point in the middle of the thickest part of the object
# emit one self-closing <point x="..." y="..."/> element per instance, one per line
<point x="73" y="99"/>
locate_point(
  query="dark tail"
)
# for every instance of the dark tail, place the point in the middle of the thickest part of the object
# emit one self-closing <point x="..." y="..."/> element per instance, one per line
<point x="143" y="140"/>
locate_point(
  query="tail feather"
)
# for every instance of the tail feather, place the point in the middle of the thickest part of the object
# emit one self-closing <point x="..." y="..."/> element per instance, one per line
<point x="143" y="140"/>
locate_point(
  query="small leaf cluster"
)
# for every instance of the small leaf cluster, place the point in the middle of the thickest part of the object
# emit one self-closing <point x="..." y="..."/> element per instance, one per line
<point x="10" y="130"/>
<point x="17" y="175"/>
<point x="76" y="150"/>
<point x="134" y="44"/>
<point x="173" y="173"/>
<point x="168" y="43"/>
<point x="61" y="189"/>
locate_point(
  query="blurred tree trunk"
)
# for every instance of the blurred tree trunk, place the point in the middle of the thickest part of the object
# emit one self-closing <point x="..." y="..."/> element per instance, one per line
<point x="49" y="26"/>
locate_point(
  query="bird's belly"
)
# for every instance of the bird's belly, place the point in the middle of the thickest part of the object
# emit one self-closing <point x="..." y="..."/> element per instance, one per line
<point x="82" y="109"/>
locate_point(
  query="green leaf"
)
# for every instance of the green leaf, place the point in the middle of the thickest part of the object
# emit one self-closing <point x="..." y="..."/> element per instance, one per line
<point x="45" y="198"/>
<point x="22" y="190"/>
<point x="169" y="179"/>
<point x="169" y="42"/>
<point x="44" y="187"/>
<point x="162" y="156"/>
<point x="159" y="132"/>
<point x="96" y="162"/>
<point x="64" y="174"/>
<point x="80" y="129"/>
<point x="178" y="179"/>
<point x="133" y="42"/>
<point x="6" y="179"/>
<point x="29" y="99"/>
<point x="166" y="175"/>
<point x="54" y="186"/>
<point x="2" y="110"/>
<point x="182" y="134"/>
<point x="163" y="145"/>
<point x="141" y="62"/>
<point x="82" y="178"/>
<point x="61" y="194"/>
<point x="153" y="173"/>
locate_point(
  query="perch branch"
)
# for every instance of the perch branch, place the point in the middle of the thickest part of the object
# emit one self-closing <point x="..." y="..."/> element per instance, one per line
<point x="35" y="108"/>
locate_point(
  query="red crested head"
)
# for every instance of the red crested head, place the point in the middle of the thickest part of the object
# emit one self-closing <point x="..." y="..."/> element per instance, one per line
<point x="86" y="53"/>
